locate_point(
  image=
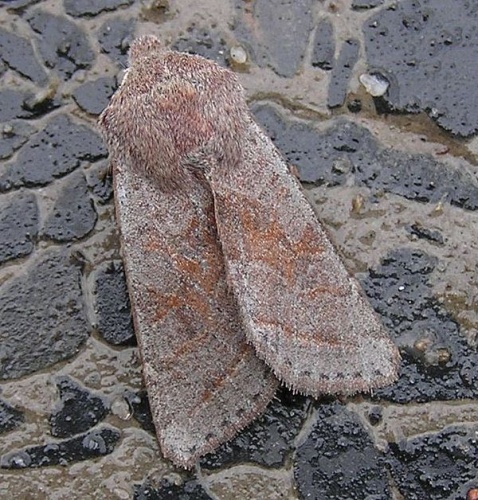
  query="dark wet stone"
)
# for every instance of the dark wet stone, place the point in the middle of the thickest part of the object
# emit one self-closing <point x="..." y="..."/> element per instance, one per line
<point x="18" y="225"/>
<point x="115" y="37"/>
<point x="12" y="104"/>
<point x="42" y="103"/>
<point x="375" y="415"/>
<point x="14" y="135"/>
<point x="441" y="465"/>
<point x="10" y="418"/>
<point x="284" y="29"/>
<point x="43" y="316"/>
<point x="18" y="54"/>
<point x="63" y="45"/>
<point x="94" y="444"/>
<point x="347" y="152"/>
<point x="77" y="411"/>
<point x="158" y="11"/>
<point x="93" y="97"/>
<point x="113" y="311"/>
<point x="18" y="104"/>
<point x="89" y="8"/>
<point x="100" y="182"/>
<point x="189" y="490"/>
<point x="323" y="53"/>
<point x="436" y="359"/>
<point x="366" y="4"/>
<point x="354" y="106"/>
<point x="338" y="459"/>
<point x="55" y="151"/>
<point x="17" y="5"/>
<point x="427" y="234"/>
<point x="73" y="216"/>
<point x="341" y="73"/>
<point x="269" y="439"/>
<point x="419" y="42"/>
<point x="203" y="41"/>
<point x="139" y="404"/>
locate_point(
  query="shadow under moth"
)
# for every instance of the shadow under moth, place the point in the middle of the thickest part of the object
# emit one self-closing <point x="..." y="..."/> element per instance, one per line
<point x="234" y="284"/>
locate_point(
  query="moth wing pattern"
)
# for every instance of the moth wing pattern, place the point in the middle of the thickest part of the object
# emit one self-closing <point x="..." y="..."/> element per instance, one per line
<point x="229" y="271"/>
<point x="304" y="313"/>
<point x="204" y="381"/>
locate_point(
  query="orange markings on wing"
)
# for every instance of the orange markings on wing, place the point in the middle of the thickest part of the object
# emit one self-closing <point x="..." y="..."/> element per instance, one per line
<point x="221" y="248"/>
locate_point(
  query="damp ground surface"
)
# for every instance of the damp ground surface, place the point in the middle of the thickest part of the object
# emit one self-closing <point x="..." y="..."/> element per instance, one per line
<point x="393" y="176"/>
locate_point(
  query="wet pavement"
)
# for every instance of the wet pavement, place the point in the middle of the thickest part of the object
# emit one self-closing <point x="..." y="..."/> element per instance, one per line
<point x="394" y="178"/>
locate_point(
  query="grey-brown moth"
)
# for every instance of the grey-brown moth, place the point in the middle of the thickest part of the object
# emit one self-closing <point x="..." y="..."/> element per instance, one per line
<point x="234" y="284"/>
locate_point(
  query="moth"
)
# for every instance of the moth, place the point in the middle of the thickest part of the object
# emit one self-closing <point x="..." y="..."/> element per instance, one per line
<point x="234" y="284"/>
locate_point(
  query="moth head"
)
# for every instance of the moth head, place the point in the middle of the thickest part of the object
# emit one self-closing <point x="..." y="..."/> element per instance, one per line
<point x="172" y="108"/>
<point x="144" y="46"/>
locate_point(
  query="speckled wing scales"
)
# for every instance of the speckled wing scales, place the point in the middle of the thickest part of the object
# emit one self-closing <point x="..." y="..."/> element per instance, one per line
<point x="302" y="311"/>
<point x="218" y="261"/>
<point x="204" y="381"/>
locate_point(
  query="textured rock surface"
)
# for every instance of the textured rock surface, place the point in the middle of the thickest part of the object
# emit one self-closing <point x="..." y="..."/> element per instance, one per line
<point x="80" y="8"/>
<point x="58" y="149"/>
<point x="43" y="315"/>
<point x="435" y="354"/>
<point x="18" y="225"/>
<point x="268" y="440"/>
<point x="167" y="490"/>
<point x="63" y="45"/>
<point x="18" y="54"/>
<point x="430" y="43"/>
<point x="114" y="37"/>
<point x="112" y="305"/>
<point x="395" y="187"/>
<point x="10" y="418"/>
<point x="339" y="460"/>
<point x="73" y="215"/>
<point x="77" y="411"/>
<point x="284" y="29"/>
<point x="442" y="464"/>
<point x="93" y="97"/>
<point x="342" y="72"/>
<point x="323" y="54"/>
<point x="88" y="446"/>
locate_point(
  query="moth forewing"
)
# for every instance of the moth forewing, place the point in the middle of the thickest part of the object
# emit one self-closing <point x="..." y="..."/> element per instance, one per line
<point x="221" y="248"/>
<point x="304" y="313"/>
<point x="204" y="381"/>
